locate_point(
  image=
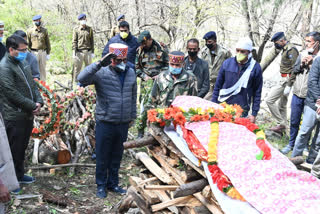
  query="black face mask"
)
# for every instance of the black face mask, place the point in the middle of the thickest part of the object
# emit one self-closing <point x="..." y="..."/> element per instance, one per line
<point x="37" y="23"/>
<point x="192" y="53"/>
<point x="277" y="46"/>
<point x="210" y="46"/>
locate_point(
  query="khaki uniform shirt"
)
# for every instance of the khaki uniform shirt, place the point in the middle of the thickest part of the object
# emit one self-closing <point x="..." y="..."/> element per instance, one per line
<point x="165" y="88"/>
<point x="288" y="58"/>
<point x="115" y="30"/>
<point x="83" y="39"/>
<point x="215" y="63"/>
<point x="38" y="39"/>
<point x="151" y="63"/>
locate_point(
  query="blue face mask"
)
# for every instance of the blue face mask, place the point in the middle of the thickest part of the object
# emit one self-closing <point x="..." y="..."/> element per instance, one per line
<point x="22" y="56"/>
<point x="175" y="71"/>
<point x="1" y="38"/>
<point x="121" y="66"/>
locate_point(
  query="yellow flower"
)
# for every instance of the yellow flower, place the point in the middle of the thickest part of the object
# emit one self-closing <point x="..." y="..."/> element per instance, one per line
<point x="260" y="134"/>
<point x="200" y="111"/>
<point x="210" y="110"/>
<point x="160" y="110"/>
<point x="213" y="142"/>
<point x="182" y="109"/>
<point x="233" y="193"/>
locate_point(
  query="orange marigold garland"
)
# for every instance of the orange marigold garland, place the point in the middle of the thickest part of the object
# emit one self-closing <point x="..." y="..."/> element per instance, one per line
<point x="51" y="124"/>
<point x="230" y="113"/>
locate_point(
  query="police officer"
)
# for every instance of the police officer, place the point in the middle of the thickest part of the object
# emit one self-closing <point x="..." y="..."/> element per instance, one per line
<point x="151" y="59"/>
<point x="288" y="58"/>
<point x="175" y="81"/>
<point x="82" y="45"/>
<point x="115" y="30"/>
<point x="215" y="55"/>
<point x="39" y="44"/>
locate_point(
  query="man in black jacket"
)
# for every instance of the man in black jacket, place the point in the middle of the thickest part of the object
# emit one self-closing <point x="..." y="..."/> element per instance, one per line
<point x="2" y="47"/>
<point x="21" y="101"/>
<point x="198" y="67"/>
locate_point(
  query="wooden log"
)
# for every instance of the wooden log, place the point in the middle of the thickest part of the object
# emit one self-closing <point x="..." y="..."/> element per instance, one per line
<point x="214" y="208"/>
<point x="147" y="140"/>
<point x="63" y="165"/>
<point x="54" y="199"/>
<point x="125" y="204"/>
<point x="297" y="160"/>
<point x="148" y="195"/>
<point x="161" y="187"/>
<point x="140" y="202"/>
<point x="190" y="188"/>
<point x="190" y="174"/>
<point x="169" y="203"/>
<point x="305" y="166"/>
<point x="206" y="192"/>
<point x="154" y="168"/>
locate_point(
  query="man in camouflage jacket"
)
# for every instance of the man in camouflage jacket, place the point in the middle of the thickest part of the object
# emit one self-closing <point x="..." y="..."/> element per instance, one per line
<point x="150" y="61"/>
<point x="172" y="83"/>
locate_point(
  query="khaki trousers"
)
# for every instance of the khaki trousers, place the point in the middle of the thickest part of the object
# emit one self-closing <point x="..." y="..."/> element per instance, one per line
<point x="78" y="59"/>
<point x="277" y="102"/>
<point x="42" y="61"/>
<point x="210" y="93"/>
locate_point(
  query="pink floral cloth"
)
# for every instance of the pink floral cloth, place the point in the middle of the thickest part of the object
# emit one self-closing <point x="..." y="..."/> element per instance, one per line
<point x="187" y="102"/>
<point x="271" y="186"/>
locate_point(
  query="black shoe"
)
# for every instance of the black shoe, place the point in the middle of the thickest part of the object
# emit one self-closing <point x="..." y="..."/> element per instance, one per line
<point x="27" y="180"/>
<point x="118" y="189"/>
<point x="101" y="192"/>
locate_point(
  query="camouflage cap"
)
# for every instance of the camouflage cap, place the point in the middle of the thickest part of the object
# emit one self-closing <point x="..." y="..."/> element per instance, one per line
<point x="144" y="36"/>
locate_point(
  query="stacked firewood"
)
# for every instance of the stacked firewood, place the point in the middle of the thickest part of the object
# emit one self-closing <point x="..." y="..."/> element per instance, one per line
<point x="170" y="183"/>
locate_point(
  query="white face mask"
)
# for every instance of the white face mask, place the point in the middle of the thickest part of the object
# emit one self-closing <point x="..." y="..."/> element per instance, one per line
<point x="311" y="50"/>
<point x="83" y="22"/>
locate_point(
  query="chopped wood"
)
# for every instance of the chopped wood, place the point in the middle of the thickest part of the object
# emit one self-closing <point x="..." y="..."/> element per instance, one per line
<point x="190" y="188"/>
<point x="64" y="157"/>
<point x="161" y="187"/>
<point x="190" y="174"/>
<point x="140" y="202"/>
<point x="154" y="168"/>
<point x="305" y="166"/>
<point x="169" y="203"/>
<point x="297" y="160"/>
<point x="148" y="195"/>
<point x="164" y="197"/>
<point x="59" y="200"/>
<point x="125" y="204"/>
<point x="148" y="180"/>
<point x="147" y="140"/>
<point x="214" y="208"/>
<point x="206" y="192"/>
<point x="63" y="165"/>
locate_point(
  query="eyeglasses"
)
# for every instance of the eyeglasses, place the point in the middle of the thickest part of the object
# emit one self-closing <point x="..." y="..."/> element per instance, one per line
<point x="121" y="60"/>
<point x="21" y="50"/>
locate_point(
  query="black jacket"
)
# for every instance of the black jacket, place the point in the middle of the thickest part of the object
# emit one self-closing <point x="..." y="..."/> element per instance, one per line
<point x="313" y="84"/>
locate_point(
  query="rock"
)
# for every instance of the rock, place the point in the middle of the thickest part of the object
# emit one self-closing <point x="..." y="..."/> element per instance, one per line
<point x="273" y="136"/>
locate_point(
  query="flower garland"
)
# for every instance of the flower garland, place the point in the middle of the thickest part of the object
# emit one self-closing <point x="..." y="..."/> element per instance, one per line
<point x="51" y="124"/>
<point x="230" y="113"/>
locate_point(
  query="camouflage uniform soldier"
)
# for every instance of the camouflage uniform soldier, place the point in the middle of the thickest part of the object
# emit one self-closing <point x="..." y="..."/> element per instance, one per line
<point x="176" y="81"/>
<point x="150" y="61"/>
<point x="288" y="58"/>
<point x="215" y="55"/>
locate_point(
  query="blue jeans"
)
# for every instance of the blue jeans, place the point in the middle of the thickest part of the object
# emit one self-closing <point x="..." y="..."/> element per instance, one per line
<point x="297" y="105"/>
<point x="309" y="122"/>
<point x="109" y="150"/>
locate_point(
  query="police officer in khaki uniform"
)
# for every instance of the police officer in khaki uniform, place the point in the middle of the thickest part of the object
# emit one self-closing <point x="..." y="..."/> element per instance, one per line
<point x="115" y="30"/>
<point x="215" y="55"/>
<point x="39" y="44"/>
<point x="288" y="58"/>
<point x="151" y="59"/>
<point x="82" y="45"/>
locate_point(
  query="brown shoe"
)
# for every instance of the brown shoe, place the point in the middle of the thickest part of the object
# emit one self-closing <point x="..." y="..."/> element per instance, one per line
<point x="279" y="129"/>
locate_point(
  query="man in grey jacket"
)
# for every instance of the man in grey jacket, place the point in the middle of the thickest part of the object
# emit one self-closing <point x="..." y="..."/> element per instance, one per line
<point x="115" y="111"/>
<point x="198" y="67"/>
<point x="299" y="82"/>
<point x="310" y="121"/>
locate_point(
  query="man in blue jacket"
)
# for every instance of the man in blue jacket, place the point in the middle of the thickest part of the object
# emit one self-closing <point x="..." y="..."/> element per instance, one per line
<point x="240" y="80"/>
<point x="124" y="37"/>
<point x="116" y="88"/>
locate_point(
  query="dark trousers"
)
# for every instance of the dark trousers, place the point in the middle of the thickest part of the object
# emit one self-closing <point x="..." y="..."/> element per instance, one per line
<point x="19" y="133"/>
<point x="109" y="150"/>
<point x="297" y="105"/>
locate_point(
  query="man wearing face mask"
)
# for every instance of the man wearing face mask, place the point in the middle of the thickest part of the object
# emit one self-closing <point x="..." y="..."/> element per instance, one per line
<point x="299" y="82"/>
<point x="198" y="67"/>
<point x="2" y="47"/>
<point x="176" y="81"/>
<point x="82" y="45"/>
<point x="151" y="59"/>
<point x="239" y="80"/>
<point x="288" y="58"/>
<point x="215" y="55"/>
<point x="21" y="101"/>
<point x="39" y="44"/>
<point x="126" y="38"/>
<point x="116" y="88"/>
